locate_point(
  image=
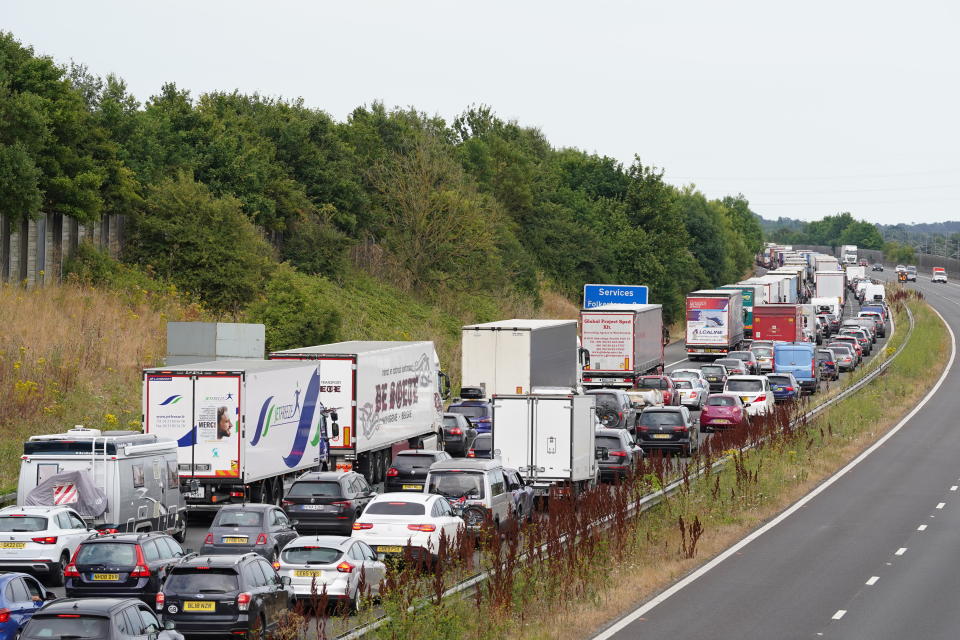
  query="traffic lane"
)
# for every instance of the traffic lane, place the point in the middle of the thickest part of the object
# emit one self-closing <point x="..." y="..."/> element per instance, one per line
<point x="791" y="581"/>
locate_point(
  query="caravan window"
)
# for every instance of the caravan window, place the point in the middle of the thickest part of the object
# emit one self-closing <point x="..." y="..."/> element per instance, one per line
<point x="137" y="475"/>
<point x="173" y="475"/>
<point x="22" y="523"/>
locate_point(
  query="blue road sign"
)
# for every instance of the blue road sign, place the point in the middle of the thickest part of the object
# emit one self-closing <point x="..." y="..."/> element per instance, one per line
<point x="595" y="295"/>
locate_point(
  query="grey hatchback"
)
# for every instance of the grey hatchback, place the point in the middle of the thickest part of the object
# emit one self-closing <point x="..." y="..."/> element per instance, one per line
<point x="615" y="409"/>
<point x="242" y="528"/>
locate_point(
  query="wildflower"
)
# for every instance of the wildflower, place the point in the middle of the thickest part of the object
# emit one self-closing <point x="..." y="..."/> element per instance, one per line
<point x="110" y="419"/>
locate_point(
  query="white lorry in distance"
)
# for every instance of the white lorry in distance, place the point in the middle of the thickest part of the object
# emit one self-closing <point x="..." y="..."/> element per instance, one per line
<point x="625" y="341"/>
<point x="849" y="253"/>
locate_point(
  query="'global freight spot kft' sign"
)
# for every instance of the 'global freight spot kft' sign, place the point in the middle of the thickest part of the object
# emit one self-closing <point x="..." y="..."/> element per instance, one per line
<point x="596" y="295"/>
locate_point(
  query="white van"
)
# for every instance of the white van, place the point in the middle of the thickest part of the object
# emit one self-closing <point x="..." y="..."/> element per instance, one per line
<point x="874" y="292"/>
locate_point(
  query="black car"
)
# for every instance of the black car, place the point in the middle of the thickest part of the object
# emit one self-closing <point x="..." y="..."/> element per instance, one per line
<point x="99" y="618"/>
<point x="327" y="501"/>
<point x="748" y="358"/>
<point x="482" y="447"/>
<point x="121" y="565"/>
<point x="716" y="376"/>
<point x="669" y="428"/>
<point x="242" y="528"/>
<point x="225" y="596"/>
<point x="458" y="434"/>
<point x="408" y="471"/>
<point x="877" y="267"/>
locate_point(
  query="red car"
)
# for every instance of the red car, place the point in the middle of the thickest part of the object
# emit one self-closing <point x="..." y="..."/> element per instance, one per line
<point x="671" y="396"/>
<point x="722" y="411"/>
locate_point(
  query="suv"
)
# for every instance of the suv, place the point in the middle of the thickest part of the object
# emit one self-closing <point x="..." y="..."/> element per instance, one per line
<point x="715" y="375"/>
<point x="877" y="266"/>
<point x="668" y="428"/>
<point x="615" y="409"/>
<point x="327" y="501"/>
<point x="478" y="412"/>
<point x="622" y="453"/>
<point x="121" y="565"/>
<point x="458" y="434"/>
<point x="100" y="618"/>
<point x="911" y="273"/>
<point x="227" y="595"/>
<point x="409" y="468"/>
<point x="748" y="358"/>
<point x="477" y="488"/>
<point x="40" y="540"/>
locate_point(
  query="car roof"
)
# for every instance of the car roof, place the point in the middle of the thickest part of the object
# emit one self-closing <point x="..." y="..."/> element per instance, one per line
<point x="760" y="378"/>
<point x="417" y="452"/>
<point x="469" y="464"/>
<point x="322" y="475"/>
<point x="130" y="537"/>
<point x="603" y="431"/>
<point x="340" y="542"/>
<point x="405" y="496"/>
<point x="34" y="509"/>
<point x="215" y="560"/>
<point x="663" y="409"/>
<point x="95" y="606"/>
<point x="248" y="506"/>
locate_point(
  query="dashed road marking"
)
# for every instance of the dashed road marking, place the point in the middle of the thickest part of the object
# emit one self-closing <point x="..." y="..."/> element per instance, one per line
<point x="900" y="551"/>
<point x="839" y="614"/>
<point x="922" y="527"/>
<point x="873" y="580"/>
<point x="941" y="505"/>
<point x="953" y="488"/>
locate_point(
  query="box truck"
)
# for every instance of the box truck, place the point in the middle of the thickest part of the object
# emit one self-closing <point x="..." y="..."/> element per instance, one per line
<point x="242" y="427"/>
<point x="625" y="341"/>
<point x="856" y="272"/>
<point x="789" y="286"/>
<point x="848" y="253"/>
<point x="550" y="439"/>
<point x="826" y="263"/>
<point x="830" y="284"/>
<point x="714" y="322"/>
<point x="515" y="356"/>
<point x="388" y="396"/>
<point x="778" y="322"/>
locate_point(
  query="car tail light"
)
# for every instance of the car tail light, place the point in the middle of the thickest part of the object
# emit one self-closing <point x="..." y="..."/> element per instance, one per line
<point x="456" y="431"/>
<point x="345" y="567"/>
<point x="618" y="454"/>
<point x="236" y="494"/>
<point x="286" y="503"/>
<point x="104" y="532"/>
<point x="472" y="453"/>
<point x="342" y="504"/>
<point x="426" y="528"/>
<point x="71" y="571"/>
<point x="276" y="566"/>
<point x="243" y="600"/>
<point x="45" y="540"/>
<point x="789" y="388"/>
<point x="4" y="615"/>
<point x="642" y="427"/>
<point x="693" y="394"/>
<point x="761" y="399"/>
<point x="262" y="538"/>
<point x="392" y="473"/>
<point x="208" y="539"/>
<point x="141" y="570"/>
<point x="362" y="526"/>
<point x="681" y="428"/>
<point x="160" y="600"/>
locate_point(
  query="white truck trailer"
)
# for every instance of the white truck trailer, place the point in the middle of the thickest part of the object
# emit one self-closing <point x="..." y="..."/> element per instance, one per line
<point x="830" y="284"/>
<point x="388" y="396"/>
<point x="242" y="427"/>
<point x="516" y="356"/>
<point x="550" y="439"/>
<point x="848" y="253"/>
<point x="856" y="272"/>
<point x="625" y="341"/>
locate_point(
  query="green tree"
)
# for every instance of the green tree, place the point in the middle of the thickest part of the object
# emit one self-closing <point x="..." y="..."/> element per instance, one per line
<point x="294" y="311"/>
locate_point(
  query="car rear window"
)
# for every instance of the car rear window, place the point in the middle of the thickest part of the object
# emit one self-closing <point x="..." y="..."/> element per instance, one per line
<point x="202" y="580"/>
<point x="827" y="355"/>
<point x="683" y="384"/>
<point x="469" y="411"/>
<point x="237" y="518"/>
<point x="23" y="523"/>
<point x="457" y="484"/>
<point x="318" y="489"/>
<point x="606" y="400"/>
<point x="413" y="461"/>
<point x="661" y="418"/>
<point x="652" y="383"/>
<point x="713" y="370"/>
<point x="69" y="626"/>
<point x="609" y="442"/>
<point x="742" y="355"/>
<point x="482" y="443"/>
<point x="396" y="508"/>
<point x="744" y="386"/>
<point x="450" y="421"/>
<point x="113" y="553"/>
<point x="721" y="401"/>
<point x="310" y="555"/>
<point x="762" y="352"/>
<point x="779" y="379"/>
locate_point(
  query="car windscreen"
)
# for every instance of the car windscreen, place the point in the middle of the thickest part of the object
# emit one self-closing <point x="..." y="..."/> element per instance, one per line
<point x="22" y="523"/>
<point x="315" y="489"/>
<point x="470" y="411"/>
<point x="683" y="384"/>
<point x="744" y="386"/>
<point x="762" y="352"/>
<point x="713" y="370"/>
<point x="779" y="379"/>
<point x="609" y="442"/>
<point x="111" y="553"/>
<point x="661" y="418"/>
<point x="721" y="401"/>
<point x="202" y="580"/>
<point x="457" y="484"/>
<point x="238" y="518"/>
<point x="396" y="508"/>
<point x="651" y="383"/>
<point x="606" y="401"/>
<point x="408" y="462"/>
<point x="842" y="348"/>
<point x="310" y="555"/>
<point x="71" y="626"/>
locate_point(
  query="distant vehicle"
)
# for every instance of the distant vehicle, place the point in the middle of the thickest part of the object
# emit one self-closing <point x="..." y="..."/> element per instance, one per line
<point x="734" y="367"/>
<point x="524" y="497"/>
<point x="844" y="356"/>
<point x="20" y="597"/>
<point x="716" y="376"/>
<point x="862" y="337"/>
<point x="458" y="434"/>
<point x="690" y="374"/>
<point x="394" y="521"/>
<point x="763" y="350"/>
<point x="245" y="528"/>
<point x="851" y="342"/>
<point x="482" y="447"/>
<point x="477" y="488"/>
<point x="880" y="326"/>
<point x="327" y="501"/>
<point x="911" y="273"/>
<point x="670" y="428"/>
<point x="100" y="618"/>
<point x="863" y="263"/>
<point x="478" y="412"/>
<point x="714" y="322"/>
<point x="615" y="409"/>
<point x="799" y="359"/>
<point x="332" y="564"/>
<point x="900" y="268"/>
<point x="40" y="541"/>
<point x="754" y="391"/>
<point x="784" y="385"/>
<point x="622" y="454"/>
<point x="749" y="358"/>
<point x="939" y="275"/>
<point x="722" y="411"/>
<point x="829" y="368"/>
<point x="877" y="267"/>
<point x="692" y="395"/>
<point x="408" y="471"/>
<point x="237" y="595"/>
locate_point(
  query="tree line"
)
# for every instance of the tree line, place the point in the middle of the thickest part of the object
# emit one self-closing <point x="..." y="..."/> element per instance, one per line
<point x="244" y="200"/>
<point x="834" y="231"/>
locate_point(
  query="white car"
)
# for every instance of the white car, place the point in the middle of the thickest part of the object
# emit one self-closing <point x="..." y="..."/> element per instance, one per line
<point x="331" y="564"/>
<point x="40" y="540"/>
<point x="393" y="521"/>
<point x="939" y="275"/>
<point x="754" y="391"/>
<point x="763" y="350"/>
<point x="690" y="374"/>
<point x="692" y="394"/>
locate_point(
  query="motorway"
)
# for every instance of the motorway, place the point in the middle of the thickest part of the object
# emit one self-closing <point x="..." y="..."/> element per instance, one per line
<point x="869" y="556"/>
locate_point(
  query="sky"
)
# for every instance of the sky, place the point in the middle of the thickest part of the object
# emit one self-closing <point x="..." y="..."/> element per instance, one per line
<point x="808" y="109"/>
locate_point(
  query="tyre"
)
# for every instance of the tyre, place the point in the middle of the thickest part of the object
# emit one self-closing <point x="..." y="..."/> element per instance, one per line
<point x="609" y="419"/>
<point x="56" y="572"/>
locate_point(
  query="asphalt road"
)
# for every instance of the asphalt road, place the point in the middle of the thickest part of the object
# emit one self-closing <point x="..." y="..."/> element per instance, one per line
<point x="872" y="556"/>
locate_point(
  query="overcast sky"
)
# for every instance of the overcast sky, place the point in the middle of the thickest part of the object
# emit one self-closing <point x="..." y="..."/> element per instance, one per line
<point x="806" y="108"/>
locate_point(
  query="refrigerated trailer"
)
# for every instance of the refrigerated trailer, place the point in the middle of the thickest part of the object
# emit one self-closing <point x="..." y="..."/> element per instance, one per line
<point x="388" y="396"/>
<point x="778" y="322"/>
<point x="549" y="439"/>
<point x="625" y="341"/>
<point x="242" y="427"/>
<point x="831" y="284"/>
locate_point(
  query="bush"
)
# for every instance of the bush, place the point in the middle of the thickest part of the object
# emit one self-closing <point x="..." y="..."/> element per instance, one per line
<point x="314" y="245"/>
<point x="294" y="311"/>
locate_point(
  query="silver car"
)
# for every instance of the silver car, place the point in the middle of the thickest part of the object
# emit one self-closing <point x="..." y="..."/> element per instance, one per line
<point x="333" y="564"/>
<point x="242" y="528"/>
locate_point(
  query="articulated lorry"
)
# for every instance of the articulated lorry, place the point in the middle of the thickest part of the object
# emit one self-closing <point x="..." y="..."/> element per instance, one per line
<point x="625" y="341"/>
<point x="830" y="284"/>
<point x="714" y="322"/>
<point x="848" y="254"/>
<point x="778" y="322"/>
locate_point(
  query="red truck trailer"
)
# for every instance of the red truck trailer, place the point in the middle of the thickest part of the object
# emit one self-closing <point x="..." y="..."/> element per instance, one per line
<point x="778" y="322"/>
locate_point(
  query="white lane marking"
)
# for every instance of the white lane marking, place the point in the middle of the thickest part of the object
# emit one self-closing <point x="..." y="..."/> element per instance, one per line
<point x="642" y="610"/>
<point x="873" y="580"/>
<point x="941" y="505"/>
<point x="900" y="551"/>
<point x="953" y="488"/>
<point x="673" y="363"/>
<point x="839" y="614"/>
<point x="922" y="527"/>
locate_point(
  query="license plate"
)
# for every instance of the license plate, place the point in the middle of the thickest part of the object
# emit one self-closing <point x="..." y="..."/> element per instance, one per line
<point x="746" y="399"/>
<point x="661" y="436"/>
<point x="12" y="545"/>
<point x="199" y="605"/>
<point x="235" y="541"/>
<point x="721" y="421"/>
<point x="313" y="507"/>
<point x="413" y="487"/>
<point x="199" y="493"/>
<point x="106" y="576"/>
<point x="308" y="573"/>
<point x="713" y="379"/>
<point x="390" y="549"/>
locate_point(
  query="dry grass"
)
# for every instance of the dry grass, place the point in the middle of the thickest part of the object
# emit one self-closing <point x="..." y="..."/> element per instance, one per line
<point x="72" y="354"/>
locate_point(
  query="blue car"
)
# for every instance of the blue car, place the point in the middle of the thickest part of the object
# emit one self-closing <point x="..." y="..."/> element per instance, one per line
<point x="478" y="412"/>
<point x="784" y="385"/>
<point x="20" y="596"/>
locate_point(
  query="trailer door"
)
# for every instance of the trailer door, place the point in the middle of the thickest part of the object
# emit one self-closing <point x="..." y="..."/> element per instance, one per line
<point x="512" y="434"/>
<point x="513" y="362"/>
<point x="552" y="437"/>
